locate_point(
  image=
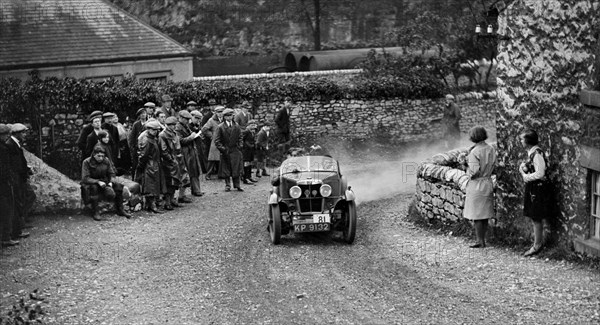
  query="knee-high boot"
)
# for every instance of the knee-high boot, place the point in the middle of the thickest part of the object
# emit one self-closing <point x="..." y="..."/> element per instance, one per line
<point x="119" y="206"/>
<point x="95" y="209"/>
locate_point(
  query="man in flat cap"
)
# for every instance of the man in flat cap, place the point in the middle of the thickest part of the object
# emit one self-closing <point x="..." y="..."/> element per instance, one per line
<point x="167" y="106"/>
<point x="149" y="172"/>
<point x="196" y="127"/>
<point x="85" y="132"/>
<point x="228" y="140"/>
<point x="450" y="122"/>
<point x="7" y="206"/>
<point x="150" y="107"/>
<point x="23" y="193"/>
<point x="208" y="111"/>
<point x="172" y="163"/>
<point x="282" y="121"/>
<point x="243" y="116"/>
<point x="98" y="183"/>
<point x="191" y="105"/>
<point x="136" y="129"/>
<point x="188" y="138"/>
<point x="108" y="124"/>
<point x="208" y="130"/>
<point x="249" y="144"/>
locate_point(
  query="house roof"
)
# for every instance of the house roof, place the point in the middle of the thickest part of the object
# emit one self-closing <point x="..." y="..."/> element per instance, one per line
<point x="40" y="33"/>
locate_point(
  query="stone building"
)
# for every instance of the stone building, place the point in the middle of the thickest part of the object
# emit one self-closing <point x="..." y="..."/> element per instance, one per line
<point x="549" y="80"/>
<point x="90" y="39"/>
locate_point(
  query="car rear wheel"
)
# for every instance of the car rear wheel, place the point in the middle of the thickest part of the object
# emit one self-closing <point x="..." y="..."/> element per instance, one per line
<point x="350" y="223"/>
<point x="275" y="224"/>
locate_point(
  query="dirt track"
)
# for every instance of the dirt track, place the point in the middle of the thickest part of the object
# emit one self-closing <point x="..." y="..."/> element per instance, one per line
<point x="196" y="265"/>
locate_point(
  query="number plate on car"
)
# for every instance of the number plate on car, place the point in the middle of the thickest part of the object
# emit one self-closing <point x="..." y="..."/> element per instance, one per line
<point x="321" y="218"/>
<point x="312" y="227"/>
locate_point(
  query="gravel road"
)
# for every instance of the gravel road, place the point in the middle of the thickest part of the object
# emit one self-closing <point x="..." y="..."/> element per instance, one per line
<point x="211" y="262"/>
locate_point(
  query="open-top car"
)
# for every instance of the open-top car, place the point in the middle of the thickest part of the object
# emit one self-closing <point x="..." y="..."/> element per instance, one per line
<point x="311" y="195"/>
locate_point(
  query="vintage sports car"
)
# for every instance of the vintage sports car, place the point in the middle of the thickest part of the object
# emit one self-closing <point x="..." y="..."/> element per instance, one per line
<point x="311" y="195"/>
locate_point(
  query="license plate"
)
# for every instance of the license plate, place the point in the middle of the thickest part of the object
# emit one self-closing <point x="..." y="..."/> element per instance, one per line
<point x="312" y="227"/>
<point x="321" y="218"/>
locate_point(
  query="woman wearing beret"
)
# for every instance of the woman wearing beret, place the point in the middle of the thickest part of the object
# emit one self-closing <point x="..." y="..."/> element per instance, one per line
<point x="479" y="200"/>
<point x="536" y="195"/>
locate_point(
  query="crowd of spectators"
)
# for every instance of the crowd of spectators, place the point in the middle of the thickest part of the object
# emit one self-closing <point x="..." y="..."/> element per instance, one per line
<point x="162" y="157"/>
<point x="166" y="152"/>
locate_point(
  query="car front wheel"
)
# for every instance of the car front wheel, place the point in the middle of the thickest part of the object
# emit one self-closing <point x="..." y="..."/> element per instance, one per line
<point x="350" y="223"/>
<point x="275" y="224"/>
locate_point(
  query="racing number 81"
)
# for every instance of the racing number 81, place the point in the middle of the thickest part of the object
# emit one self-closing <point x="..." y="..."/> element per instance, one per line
<point x="321" y="219"/>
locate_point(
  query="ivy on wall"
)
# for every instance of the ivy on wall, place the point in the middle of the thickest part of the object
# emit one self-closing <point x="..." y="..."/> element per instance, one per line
<point x="547" y="62"/>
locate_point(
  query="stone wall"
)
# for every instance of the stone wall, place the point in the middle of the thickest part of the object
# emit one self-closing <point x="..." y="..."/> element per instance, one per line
<point x="441" y="186"/>
<point x="386" y="121"/>
<point x="390" y="121"/>
<point x="548" y="60"/>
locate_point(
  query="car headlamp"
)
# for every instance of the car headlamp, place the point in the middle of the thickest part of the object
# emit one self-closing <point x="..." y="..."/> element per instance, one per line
<point x="325" y="190"/>
<point x="295" y="192"/>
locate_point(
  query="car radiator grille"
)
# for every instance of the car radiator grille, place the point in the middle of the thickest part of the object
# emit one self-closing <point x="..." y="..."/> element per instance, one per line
<point x="311" y="199"/>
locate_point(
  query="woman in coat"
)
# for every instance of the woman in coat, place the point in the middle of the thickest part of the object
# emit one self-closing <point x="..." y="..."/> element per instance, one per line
<point x="479" y="201"/>
<point x="208" y="130"/>
<point x="148" y="173"/>
<point x="533" y="171"/>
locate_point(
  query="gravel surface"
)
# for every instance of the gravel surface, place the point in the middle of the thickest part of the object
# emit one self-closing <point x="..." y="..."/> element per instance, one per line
<point x="211" y="262"/>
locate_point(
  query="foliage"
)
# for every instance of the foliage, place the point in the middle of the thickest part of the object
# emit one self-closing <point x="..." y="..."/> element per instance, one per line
<point x="37" y="97"/>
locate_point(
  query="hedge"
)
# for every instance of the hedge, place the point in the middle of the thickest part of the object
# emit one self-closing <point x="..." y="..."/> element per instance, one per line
<point x="25" y="100"/>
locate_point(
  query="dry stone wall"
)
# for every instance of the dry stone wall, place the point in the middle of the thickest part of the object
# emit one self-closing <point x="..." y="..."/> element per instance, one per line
<point x="392" y="121"/>
<point x="441" y="185"/>
<point x="388" y="121"/>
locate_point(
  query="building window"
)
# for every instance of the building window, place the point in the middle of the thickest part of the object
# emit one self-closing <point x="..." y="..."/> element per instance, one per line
<point x="157" y="76"/>
<point x="595" y="228"/>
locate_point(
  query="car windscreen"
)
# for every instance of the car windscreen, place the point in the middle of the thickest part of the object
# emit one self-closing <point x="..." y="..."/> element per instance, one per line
<point x="309" y="164"/>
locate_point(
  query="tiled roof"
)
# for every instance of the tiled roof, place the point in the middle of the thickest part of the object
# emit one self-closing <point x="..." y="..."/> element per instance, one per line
<point x="57" y="32"/>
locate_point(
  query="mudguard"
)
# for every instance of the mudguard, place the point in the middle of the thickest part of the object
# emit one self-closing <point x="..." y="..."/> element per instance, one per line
<point x="273" y="198"/>
<point x="350" y="195"/>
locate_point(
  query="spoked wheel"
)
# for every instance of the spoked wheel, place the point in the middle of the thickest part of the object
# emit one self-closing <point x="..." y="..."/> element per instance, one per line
<point x="275" y="224"/>
<point x="350" y="223"/>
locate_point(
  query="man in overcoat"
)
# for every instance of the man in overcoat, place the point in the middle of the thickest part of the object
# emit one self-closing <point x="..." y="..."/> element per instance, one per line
<point x="98" y="183"/>
<point x="208" y="130"/>
<point x="196" y="127"/>
<point x="7" y="206"/>
<point x="282" y="120"/>
<point x="23" y="192"/>
<point x="228" y="140"/>
<point x="172" y="163"/>
<point x="149" y="174"/>
<point x="188" y="142"/>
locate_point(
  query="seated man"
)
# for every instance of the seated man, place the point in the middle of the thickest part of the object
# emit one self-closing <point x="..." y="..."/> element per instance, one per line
<point x="97" y="183"/>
